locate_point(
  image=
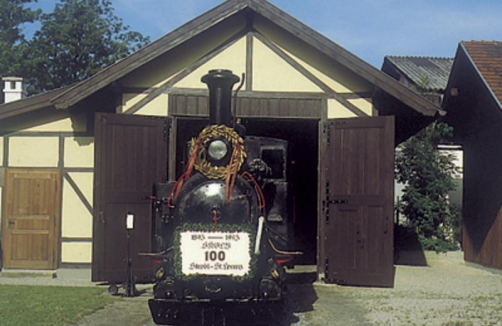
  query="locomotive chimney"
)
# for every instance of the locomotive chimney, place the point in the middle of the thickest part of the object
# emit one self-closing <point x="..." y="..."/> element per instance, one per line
<point x="220" y="83"/>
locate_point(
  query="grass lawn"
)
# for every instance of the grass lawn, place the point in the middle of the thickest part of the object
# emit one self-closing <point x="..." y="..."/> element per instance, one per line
<point x="48" y="305"/>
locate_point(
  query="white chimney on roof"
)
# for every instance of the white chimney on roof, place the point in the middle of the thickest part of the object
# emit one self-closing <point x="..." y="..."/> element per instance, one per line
<point x="14" y="89"/>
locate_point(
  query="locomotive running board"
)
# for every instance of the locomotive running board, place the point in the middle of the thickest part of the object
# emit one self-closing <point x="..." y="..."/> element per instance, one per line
<point x="170" y="312"/>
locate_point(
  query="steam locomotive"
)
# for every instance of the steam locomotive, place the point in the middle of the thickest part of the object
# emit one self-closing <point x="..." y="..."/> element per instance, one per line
<point x="223" y="230"/>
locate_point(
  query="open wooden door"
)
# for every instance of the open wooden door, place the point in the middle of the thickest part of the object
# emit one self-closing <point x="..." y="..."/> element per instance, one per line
<point x="358" y="202"/>
<point x="31" y="219"/>
<point x="130" y="156"/>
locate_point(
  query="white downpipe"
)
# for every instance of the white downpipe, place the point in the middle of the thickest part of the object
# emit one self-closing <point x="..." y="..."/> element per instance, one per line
<point x="261" y="221"/>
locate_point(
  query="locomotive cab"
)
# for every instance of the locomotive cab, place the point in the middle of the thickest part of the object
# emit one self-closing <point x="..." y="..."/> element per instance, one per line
<point x="223" y="229"/>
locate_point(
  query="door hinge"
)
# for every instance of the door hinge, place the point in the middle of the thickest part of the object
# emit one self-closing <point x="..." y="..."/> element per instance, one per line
<point x="341" y="122"/>
<point x="102" y="217"/>
<point x="338" y="201"/>
<point x="167" y="127"/>
<point x="327" y="132"/>
<point x="325" y="203"/>
<point x="326" y="275"/>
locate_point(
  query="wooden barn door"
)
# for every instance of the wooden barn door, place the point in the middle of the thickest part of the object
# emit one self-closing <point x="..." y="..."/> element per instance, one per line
<point x="31" y="218"/>
<point x="130" y="156"/>
<point x="358" y="202"/>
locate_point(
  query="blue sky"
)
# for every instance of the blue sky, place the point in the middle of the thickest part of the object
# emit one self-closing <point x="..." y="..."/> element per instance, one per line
<point x="371" y="29"/>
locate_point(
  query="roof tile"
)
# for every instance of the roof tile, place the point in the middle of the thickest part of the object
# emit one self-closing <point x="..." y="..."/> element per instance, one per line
<point x="487" y="56"/>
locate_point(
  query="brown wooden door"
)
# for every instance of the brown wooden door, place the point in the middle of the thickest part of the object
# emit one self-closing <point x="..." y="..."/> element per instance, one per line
<point x="130" y="156"/>
<point x="31" y="218"/>
<point x="358" y="202"/>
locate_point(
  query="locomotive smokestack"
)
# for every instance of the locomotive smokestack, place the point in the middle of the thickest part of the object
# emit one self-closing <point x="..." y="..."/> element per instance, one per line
<point x="220" y="83"/>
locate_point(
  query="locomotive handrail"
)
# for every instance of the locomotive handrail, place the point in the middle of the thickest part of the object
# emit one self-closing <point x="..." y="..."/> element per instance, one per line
<point x="283" y="252"/>
<point x="155" y="254"/>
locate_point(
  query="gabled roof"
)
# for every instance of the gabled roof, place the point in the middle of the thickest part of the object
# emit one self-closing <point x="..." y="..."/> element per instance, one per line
<point x="429" y="73"/>
<point x="487" y="58"/>
<point x="227" y="9"/>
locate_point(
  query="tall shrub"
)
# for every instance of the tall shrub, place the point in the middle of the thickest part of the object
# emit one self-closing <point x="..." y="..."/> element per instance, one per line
<point x="428" y="176"/>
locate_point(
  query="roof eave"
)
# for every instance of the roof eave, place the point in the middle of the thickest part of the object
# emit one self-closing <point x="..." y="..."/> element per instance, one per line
<point x="29" y="104"/>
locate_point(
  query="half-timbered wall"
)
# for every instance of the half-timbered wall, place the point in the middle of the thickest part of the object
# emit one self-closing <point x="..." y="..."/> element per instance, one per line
<point x="58" y="142"/>
<point x="271" y="69"/>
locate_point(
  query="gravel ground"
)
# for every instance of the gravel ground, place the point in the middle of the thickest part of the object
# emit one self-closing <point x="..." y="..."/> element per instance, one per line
<point x="446" y="292"/>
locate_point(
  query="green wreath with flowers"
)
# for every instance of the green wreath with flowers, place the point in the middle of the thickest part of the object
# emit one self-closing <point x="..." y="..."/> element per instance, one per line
<point x="210" y="133"/>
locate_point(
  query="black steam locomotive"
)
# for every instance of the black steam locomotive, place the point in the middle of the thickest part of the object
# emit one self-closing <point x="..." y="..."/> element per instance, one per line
<point x="223" y="230"/>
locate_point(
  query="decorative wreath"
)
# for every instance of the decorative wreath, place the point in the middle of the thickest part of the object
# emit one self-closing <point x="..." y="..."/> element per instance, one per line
<point x="205" y="167"/>
<point x="199" y="162"/>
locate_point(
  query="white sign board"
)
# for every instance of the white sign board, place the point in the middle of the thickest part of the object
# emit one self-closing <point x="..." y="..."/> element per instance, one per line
<point x="130" y="221"/>
<point x="215" y="253"/>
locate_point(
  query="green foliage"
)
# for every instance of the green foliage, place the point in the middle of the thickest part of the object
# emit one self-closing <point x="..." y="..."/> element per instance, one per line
<point x="75" y="41"/>
<point x="428" y="176"/>
<point x="48" y="305"/>
<point x="13" y="15"/>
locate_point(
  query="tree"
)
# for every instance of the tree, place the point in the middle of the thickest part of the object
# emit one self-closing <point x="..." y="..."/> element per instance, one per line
<point x="428" y="176"/>
<point x="13" y="15"/>
<point x="76" y="40"/>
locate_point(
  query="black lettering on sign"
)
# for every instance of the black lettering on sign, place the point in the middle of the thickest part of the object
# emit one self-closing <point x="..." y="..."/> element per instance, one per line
<point x="213" y="255"/>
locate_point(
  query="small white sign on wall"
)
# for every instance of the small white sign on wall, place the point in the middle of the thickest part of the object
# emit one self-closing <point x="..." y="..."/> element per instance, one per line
<point x="130" y="221"/>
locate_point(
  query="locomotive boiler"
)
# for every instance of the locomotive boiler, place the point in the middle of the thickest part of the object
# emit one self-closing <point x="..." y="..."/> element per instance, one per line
<point x="223" y="229"/>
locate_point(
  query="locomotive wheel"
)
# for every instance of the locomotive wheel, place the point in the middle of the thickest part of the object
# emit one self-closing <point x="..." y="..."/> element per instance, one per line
<point x="113" y="289"/>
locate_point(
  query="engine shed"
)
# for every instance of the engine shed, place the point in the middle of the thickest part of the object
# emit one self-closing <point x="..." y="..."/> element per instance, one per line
<point x="94" y="149"/>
